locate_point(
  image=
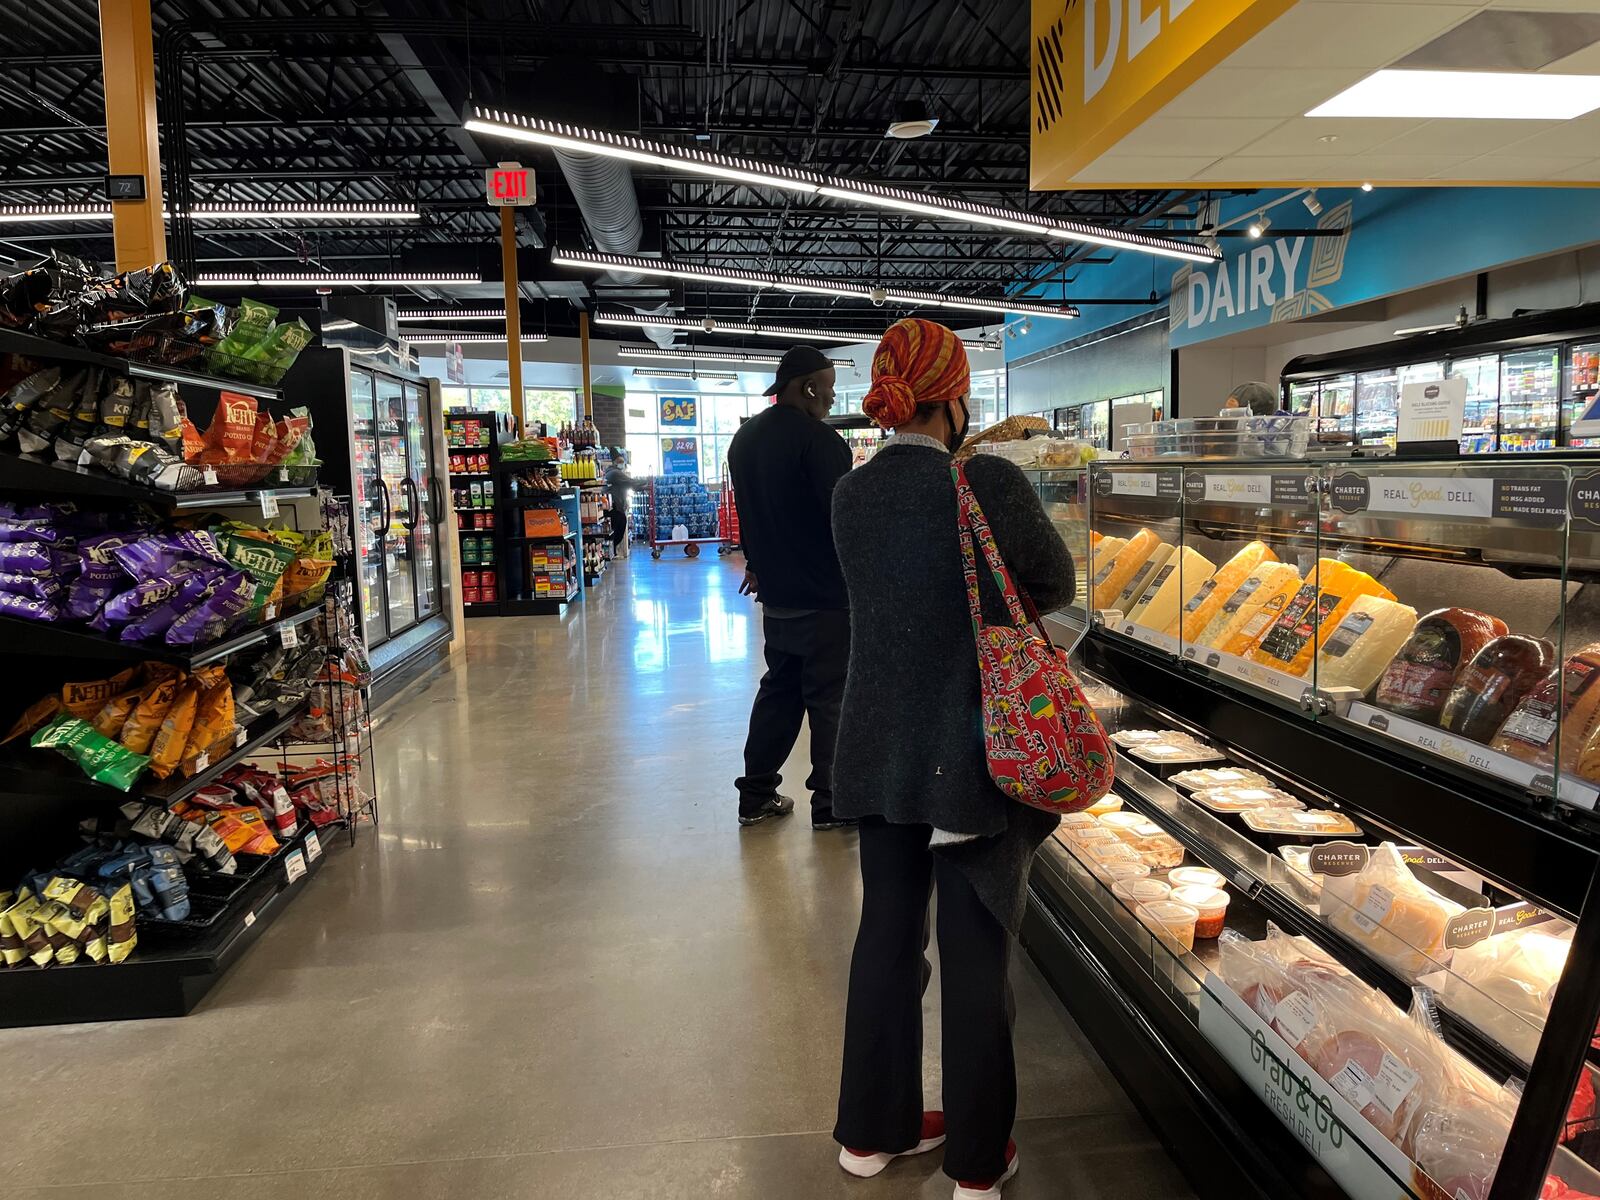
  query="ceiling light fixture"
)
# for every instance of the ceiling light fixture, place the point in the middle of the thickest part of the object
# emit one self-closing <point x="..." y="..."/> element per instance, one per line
<point x="1469" y="95"/>
<point x="715" y="356"/>
<point x="1313" y="205"/>
<point x="452" y="314"/>
<point x="744" y="170"/>
<point x="1366" y="187"/>
<point x="712" y="325"/>
<point x="593" y="260"/>
<point x="682" y="373"/>
<point x="428" y="336"/>
<point x="39" y="214"/>
<point x="342" y="279"/>
<point x="1260" y="225"/>
<point x="911" y="120"/>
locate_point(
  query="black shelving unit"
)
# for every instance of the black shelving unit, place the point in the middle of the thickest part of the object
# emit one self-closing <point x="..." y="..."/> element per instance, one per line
<point x="490" y="423"/>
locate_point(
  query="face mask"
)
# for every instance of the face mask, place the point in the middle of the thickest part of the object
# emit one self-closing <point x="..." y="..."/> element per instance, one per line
<point x="960" y="434"/>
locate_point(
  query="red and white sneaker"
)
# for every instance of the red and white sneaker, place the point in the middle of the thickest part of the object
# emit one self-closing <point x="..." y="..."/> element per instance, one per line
<point x="864" y="1164"/>
<point x="989" y="1190"/>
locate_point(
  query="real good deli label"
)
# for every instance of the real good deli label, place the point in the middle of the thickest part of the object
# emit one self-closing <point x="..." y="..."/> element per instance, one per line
<point x="1536" y="502"/>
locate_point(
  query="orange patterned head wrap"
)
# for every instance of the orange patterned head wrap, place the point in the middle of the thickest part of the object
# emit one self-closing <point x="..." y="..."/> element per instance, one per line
<point x="918" y="362"/>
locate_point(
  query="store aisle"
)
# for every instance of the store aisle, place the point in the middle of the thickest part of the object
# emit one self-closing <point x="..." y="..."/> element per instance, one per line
<point x="560" y="970"/>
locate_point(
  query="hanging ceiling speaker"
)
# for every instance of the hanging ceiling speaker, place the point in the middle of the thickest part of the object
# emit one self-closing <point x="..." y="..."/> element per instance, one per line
<point x="911" y="120"/>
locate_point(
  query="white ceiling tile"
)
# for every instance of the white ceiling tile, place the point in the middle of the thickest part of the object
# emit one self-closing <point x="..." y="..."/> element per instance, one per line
<point x="1583" y="6"/>
<point x="1353" y="135"/>
<point x="1363" y="35"/>
<point x="1579" y="137"/>
<point x="1190" y="136"/>
<point x="1581" y="62"/>
<point x="1130" y="168"/>
<point x="1261" y="91"/>
<point x="1400" y="167"/>
<point x="1273" y="169"/>
<point x="1492" y="167"/>
<point x="1589" y="172"/>
<point x="1465" y="137"/>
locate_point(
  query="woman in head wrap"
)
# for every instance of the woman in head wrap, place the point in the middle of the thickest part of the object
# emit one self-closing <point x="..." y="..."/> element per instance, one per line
<point x="910" y="765"/>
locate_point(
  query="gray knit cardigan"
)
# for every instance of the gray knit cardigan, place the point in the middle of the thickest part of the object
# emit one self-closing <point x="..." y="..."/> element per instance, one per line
<point x="910" y="744"/>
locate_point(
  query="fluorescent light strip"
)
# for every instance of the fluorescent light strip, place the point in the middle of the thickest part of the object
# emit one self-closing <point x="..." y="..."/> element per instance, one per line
<point x="691" y="325"/>
<point x="446" y="314"/>
<point x="721" y="356"/>
<point x="681" y="373"/>
<point x="744" y="170"/>
<point x="340" y="279"/>
<point x="39" y="214"/>
<point x="1480" y="95"/>
<point x="593" y="260"/>
<point x="561" y="136"/>
<point x="429" y="336"/>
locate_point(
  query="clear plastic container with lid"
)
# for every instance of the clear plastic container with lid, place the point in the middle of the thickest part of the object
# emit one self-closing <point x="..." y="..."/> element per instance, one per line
<point x="1109" y="803"/>
<point x="1134" y="892"/>
<point x="1199" y="876"/>
<point x="1123" y="870"/>
<point x="1078" y="820"/>
<point x="1240" y="799"/>
<point x="1110" y="852"/>
<point x="1088" y="835"/>
<point x="1123" y="823"/>
<point x="1210" y="903"/>
<point x="1172" y="921"/>
<point x="1162" y="851"/>
<point x="1215" y="777"/>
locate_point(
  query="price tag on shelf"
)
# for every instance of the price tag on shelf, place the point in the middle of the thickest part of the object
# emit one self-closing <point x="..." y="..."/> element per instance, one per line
<point x="208" y="476"/>
<point x="240" y="736"/>
<point x="269" y="613"/>
<point x="249" y="919"/>
<point x="290" y="635"/>
<point x="294" y="866"/>
<point x="201" y="762"/>
<point x="313" y="846"/>
<point x="269" y="504"/>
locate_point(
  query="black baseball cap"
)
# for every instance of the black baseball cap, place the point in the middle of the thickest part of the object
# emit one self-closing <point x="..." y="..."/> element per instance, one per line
<point x="798" y="361"/>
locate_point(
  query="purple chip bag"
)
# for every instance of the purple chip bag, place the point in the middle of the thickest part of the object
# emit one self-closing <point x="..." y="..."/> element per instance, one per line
<point x="159" y="553"/>
<point x="215" y="615"/>
<point x="29" y="558"/>
<point x="12" y="605"/>
<point x="21" y="529"/>
<point x="139" y="600"/>
<point x="192" y="589"/>
<point x="34" y="587"/>
<point x="100" y="577"/>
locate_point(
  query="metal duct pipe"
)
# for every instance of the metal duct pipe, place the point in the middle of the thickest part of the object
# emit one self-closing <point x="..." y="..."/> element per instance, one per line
<point x="603" y="189"/>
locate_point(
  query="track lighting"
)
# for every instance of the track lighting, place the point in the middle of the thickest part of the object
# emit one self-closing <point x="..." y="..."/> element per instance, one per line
<point x="1366" y="187"/>
<point x="1313" y="205"/>
<point x="711" y="325"/>
<point x="430" y="336"/>
<point x="41" y="214"/>
<point x="682" y="373"/>
<point x="715" y="356"/>
<point x="1260" y="225"/>
<point x="341" y="279"/>
<point x="452" y="314"/>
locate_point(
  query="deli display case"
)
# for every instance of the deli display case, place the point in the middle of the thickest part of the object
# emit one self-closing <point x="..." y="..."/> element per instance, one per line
<point x="1089" y="422"/>
<point x="1337" y="927"/>
<point x="1531" y="379"/>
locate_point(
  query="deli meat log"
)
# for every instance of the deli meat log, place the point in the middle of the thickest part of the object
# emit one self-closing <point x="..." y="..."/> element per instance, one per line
<point x="1418" y="682"/>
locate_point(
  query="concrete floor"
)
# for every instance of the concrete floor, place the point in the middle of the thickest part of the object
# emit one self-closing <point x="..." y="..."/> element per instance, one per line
<point x="560" y="969"/>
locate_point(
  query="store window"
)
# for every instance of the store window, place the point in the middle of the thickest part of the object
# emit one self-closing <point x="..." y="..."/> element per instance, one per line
<point x="455" y="399"/>
<point x="555" y="407"/>
<point x="717" y="418"/>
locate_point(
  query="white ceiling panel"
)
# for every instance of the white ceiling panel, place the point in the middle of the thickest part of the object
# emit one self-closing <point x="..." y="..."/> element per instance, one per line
<point x="1581" y="62"/>
<point x="1129" y="168"/>
<point x="1467" y="137"/>
<point x="1260" y="91"/>
<point x="1589" y="172"/>
<point x="1274" y="169"/>
<point x="1497" y="167"/>
<point x="1305" y="136"/>
<point x="1360" y="35"/>
<point x="1191" y="136"/>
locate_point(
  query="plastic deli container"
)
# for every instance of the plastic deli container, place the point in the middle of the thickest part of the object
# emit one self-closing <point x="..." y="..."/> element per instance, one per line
<point x="1123" y="823"/>
<point x="1304" y="825"/>
<point x="1162" y="852"/>
<point x="1166" y="753"/>
<point x="1121" y="871"/>
<point x="1078" y="820"/>
<point x="1106" y="853"/>
<point x="1197" y="876"/>
<point x="1128" y="738"/>
<point x="1134" y="892"/>
<point x="1210" y="903"/>
<point x="1109" y="803"/>
<point x="1086" y="836"/>
<point x="1217" y="777"/>
<point x="1238" y="799"/>
<point x="1172" y="921"/>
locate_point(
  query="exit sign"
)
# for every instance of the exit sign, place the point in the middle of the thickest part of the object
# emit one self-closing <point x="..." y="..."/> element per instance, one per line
<point x="508" y="184"/>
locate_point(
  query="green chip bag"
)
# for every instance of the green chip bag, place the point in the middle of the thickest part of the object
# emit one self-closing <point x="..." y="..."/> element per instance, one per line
<point x="102" y="759"/>
<point x="264" y="560"/>
<point x="253" y="322"/>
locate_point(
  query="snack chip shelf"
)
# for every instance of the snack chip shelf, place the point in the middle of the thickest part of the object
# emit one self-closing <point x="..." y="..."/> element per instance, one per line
<point x="13" y="341"/>
<point x="229" y="497"/>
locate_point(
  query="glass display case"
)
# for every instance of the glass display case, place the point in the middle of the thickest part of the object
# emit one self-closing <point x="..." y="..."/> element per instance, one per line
<point x="1087" y="422"/>
<point x="1345" y="876"/>
<point x="1065" y="494"/>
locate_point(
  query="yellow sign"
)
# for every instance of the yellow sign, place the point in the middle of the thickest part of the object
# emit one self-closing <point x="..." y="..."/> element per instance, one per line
<point x="1100" y="67"/>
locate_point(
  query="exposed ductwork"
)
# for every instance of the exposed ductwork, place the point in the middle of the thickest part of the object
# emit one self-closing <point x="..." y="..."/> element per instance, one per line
<point x="603" y="189"/>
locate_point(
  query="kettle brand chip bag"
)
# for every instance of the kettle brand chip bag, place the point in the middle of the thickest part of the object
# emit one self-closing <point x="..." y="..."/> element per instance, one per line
<point x="101" y="759"/>
<point x="233" y="429"/>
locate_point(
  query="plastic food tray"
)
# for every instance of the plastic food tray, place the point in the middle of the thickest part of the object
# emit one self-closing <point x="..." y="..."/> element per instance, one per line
<point x="1282" y="822"/>
<point x="1166" y="754"/>
<point x="1238" y="799"/>
<point x="1244" y="436"/>
<point x="1220" y="777"/>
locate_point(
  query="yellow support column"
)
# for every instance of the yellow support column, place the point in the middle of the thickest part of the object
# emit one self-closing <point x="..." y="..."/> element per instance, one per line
<point x="583" y="342"/>
<point x="127" y="57"/>
<point x="508" y="263"/>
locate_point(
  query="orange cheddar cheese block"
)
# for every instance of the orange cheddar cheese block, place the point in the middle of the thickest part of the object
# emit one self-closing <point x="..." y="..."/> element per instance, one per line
<point x="1113" y="576"/>
<point x="1274" y="585"/>
<point x="1131" y="595"/>
<point x="1184" y="574"/>
<point x="1206" y="603"/>
<point x="1322" y="602"/>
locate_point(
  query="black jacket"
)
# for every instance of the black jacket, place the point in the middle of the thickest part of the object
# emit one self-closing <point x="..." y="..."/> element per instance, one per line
<point x="784" y="465"/>
<point x="910" y="740"/>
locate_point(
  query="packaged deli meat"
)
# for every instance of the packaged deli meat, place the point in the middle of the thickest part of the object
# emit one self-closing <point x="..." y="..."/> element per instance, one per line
<point x="1128" y="599"/>
<point x="1567" y="700"/>
<point x="1494" y="683"/>
<point x="1218" y="777"/>
<point x="1505" y="983"/>
<point x="1323" y="600"/>
<point x="1359" y="647"/>
<point x="1397" y="918"/>
<point x="1184" y="575"/>
<point x="1260" y="610"/>
<point x="1295" y="823"/>
<point x="1111" y="577"/>
<point x="1418" y="682"/>
<point x="1206" y="602"/>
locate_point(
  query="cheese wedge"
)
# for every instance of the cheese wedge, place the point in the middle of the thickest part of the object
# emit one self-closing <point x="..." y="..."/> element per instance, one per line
<point x="1206" y="603"/>
<point x="1185" y="574"/>
<point x="1130" y="596"/>
<point x="1110" y="579"/>
<point x="1256" y="615"/>
<point x="1355" y="653"/>
<point x="1323" y="600"/>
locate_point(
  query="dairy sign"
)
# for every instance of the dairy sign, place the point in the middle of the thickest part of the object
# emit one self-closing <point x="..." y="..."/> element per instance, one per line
<point x="1275" y="279"/>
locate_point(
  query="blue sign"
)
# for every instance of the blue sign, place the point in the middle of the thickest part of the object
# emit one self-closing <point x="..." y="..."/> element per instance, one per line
<point x="680" y="456"/>
<point x="680" y="411"/>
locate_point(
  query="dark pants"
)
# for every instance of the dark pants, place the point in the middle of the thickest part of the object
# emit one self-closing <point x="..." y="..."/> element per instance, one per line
<point x="619" y="524"/>
<point x="880" y="1096"/>
<point x="806" y="660"/>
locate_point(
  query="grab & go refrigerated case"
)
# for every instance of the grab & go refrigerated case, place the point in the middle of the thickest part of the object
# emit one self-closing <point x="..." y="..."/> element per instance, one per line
<point x="1337" y="928"/>
<point x="1530" y="379"/>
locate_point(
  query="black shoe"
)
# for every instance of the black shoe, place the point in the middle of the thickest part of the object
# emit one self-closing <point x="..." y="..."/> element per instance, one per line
<point x="824" y="818"/>
<point x="772" y="806"/>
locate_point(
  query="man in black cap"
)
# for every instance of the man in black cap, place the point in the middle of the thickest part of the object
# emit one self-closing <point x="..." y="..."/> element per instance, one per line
<point x="784" y="463"/>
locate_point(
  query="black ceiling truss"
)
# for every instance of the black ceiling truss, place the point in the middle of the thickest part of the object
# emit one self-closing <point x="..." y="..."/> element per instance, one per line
<point x="360" y="100"/>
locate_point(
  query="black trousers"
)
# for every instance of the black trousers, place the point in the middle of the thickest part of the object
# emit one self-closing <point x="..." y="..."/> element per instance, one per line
<point x="880" y="1095"/>
<point x="806" y="660"/>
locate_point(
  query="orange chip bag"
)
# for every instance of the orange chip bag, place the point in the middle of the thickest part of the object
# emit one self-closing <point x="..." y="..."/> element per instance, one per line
<point x="242" y="830"/>
<point x="145" y="721"/>
<point x="84" y="700"/>
<point x="114" y="714"/>
<point x="38" y="713"/>
<point x="193" y="444"/>
<point x="233" y="428"/>
<point x="173" y="736"/>
<point x="213" y="726"/>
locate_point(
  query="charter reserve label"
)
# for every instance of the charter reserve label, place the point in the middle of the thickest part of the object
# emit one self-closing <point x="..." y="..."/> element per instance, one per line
<point x="1255" y="490"/>
<point x="1534" y="501"/>
<point x="1146" y="485"/>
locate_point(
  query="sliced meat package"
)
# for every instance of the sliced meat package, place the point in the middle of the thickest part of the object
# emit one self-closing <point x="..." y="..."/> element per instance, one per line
<point x="1396" y="917"/>
<point x="1494" y="683"/>
<point x="1417" y="682"/>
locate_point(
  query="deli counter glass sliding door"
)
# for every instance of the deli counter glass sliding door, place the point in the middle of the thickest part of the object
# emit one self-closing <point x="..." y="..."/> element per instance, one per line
<point x="1480" y="429"/>
<point x="394" y="482"/>
<point x="369" y="506"/>
<point x="422" y="521"/>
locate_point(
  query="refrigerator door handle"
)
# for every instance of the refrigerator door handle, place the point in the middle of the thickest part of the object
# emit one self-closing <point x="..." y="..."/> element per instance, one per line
<point x="435" y="499"/>
<point x="408" y="486"/>
<point x="386" y="510"/>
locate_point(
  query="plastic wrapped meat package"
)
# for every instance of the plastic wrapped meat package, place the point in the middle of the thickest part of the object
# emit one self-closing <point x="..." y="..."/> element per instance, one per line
<point x="1395" y="917"/>
<point x="1504" y="984"/>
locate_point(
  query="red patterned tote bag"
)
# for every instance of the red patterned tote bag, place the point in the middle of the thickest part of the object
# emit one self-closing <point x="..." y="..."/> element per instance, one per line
<point x="1045" y="745"/>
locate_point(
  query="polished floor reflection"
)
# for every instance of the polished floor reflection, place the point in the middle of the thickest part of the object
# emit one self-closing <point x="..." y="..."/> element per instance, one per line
<point x="560" y="970"/>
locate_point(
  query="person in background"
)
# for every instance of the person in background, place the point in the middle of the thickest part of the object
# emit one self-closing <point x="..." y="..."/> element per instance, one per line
<point x="784" y="463"/>
<point x="1261" y="400"/>
<point x="619" y="484"/>
<point x="911" y="767"/>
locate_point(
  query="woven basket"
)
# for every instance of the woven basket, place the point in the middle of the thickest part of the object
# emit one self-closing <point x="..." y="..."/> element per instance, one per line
<point x="1012" y="429"/>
